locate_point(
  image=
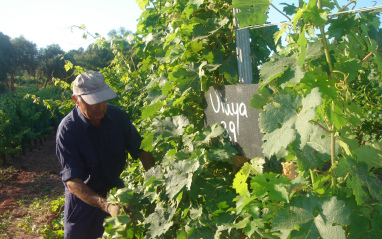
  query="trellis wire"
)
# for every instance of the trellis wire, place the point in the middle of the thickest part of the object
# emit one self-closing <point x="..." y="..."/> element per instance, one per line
<point x="365" y="9"/>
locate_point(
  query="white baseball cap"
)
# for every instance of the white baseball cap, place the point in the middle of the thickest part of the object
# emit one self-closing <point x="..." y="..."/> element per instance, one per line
<point x="92" y="88"/>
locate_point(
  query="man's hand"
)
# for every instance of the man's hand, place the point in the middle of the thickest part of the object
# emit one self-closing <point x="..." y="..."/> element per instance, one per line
<point x="113" y="209"/>
<point x="116" y="210"/>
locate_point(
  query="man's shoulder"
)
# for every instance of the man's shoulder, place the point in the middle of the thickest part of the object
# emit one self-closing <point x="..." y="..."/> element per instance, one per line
<point x="67" y="122"/>
<point x="115" y="111"/>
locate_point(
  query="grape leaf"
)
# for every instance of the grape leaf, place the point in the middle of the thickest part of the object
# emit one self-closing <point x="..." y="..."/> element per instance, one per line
<point x="208" y="27"/>
<point x="358" y="179"/>
<point x="147" y="142"/>
<point x="309" y="158"/>
<point x="284" y="117"/>
<point x="278" y="65"/>
<point x="314" y="50"/>
<point x="180" y="176"/>
<point x="326" y="86"/>
<point x="366" y="222"/>
<point x="195" y="2"/>
<point x="152" y="109"/>
<point x="116" y="226"/>
<point x="174" y="125"/>
<point x="371" y="154"/>
<point x="249" y="225"/>
<point x="240" y="183"/>
<point x="315" y="218"/>
<point x="160" y="220"/>
<point x="259" y="100"/>
<point x="272" y="185"/>
<point x="216" y="130"/>
<point x="251" y="12"/>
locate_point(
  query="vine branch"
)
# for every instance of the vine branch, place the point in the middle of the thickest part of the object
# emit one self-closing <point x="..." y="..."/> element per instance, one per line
<point x="280" y="12"/>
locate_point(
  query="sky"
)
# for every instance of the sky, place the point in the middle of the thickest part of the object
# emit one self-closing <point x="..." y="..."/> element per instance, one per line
<point x="47" y="22"/>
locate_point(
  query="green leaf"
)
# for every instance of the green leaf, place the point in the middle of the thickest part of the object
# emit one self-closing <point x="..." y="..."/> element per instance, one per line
<point x="240" y="183"/>
<point x="216" y="130"/>
<point x="147" y="142"/>
<point x="142" y="3"/>
<point x="184" y="78"/>
<point x="196" y="3"/>
<point x="117" y="226"/>
<point x="271" y="185"/>
<point x="359" y="179"/>
<point x="307" y="113"/>
<point x="315" y="16"/>
<point x="240" y="180"/>
<point x="174" y="125"/>
<point x="278" y="66"/>
<point x="152" y="109"/>
<point x="314" y="50"/>
<point x="160" y="220"/>
<point x="315" y="218"/>
<point x="251" y="12"/>
<point x="178" y="177"/>
<point x="285" y="117"/>
<point x="249" y="225"/>
<point x="208" y="28"/>
<point x="326" y="86"/>
<point x="309" y="158"/>
<point x="371" y="154"/>
<point x="262" y="98"/>
<point x="124" y="195"/>
<point x="302" y="43"/>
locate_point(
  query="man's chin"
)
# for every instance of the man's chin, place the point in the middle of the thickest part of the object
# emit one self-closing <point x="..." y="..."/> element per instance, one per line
<point x="98" y="117"/>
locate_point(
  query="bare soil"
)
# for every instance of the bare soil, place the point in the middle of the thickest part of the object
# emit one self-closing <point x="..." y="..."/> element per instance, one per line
<point x="28" y="183"/>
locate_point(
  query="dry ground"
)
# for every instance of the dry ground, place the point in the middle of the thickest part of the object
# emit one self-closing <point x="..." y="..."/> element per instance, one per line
<point x="28" y="184"/>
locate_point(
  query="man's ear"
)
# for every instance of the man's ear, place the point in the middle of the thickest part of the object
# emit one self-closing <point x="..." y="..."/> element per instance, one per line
<point x="75" y="99"/>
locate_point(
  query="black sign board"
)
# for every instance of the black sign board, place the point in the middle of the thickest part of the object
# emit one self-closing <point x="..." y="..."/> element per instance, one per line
<point x="229" y="106"/>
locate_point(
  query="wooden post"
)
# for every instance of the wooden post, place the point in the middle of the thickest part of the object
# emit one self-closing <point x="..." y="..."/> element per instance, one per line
<point x="243" y="52"/>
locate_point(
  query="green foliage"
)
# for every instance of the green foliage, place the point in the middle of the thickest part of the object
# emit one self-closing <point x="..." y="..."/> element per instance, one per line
<point x="56" y="229"/>
<point x="314" y="118"/>
<point x="315" y="218"/>
<point x="26" y="115"/>
<point x="318" y="113"/>
<point x="311" y="96"/>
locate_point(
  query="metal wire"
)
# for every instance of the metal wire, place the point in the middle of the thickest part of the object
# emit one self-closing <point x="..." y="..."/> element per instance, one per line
<point x="364" y="9"/>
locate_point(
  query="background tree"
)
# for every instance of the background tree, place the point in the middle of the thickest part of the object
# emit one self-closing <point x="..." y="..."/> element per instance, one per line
<point x="25" y="57"/>
<point x="51" y="64"/>
<point x="6" y="60"/>
<point x="94" y="58"/>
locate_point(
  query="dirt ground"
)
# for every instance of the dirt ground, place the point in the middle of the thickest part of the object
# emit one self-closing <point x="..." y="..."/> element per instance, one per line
<point x="27" y="186"/>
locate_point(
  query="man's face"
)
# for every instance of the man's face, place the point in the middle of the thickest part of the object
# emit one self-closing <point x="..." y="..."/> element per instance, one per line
<point x="92" y="112"/>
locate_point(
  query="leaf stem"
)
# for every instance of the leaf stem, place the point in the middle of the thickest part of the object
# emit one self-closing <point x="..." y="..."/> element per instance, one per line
<point x="332" y="134"/>
<point x="333" y="153"/>
<point x="280" y="12"/>
<point x="312" y="178"/>
<point x="325" y="43"/>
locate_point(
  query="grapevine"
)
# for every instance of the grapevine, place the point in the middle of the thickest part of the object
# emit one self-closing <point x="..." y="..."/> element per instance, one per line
<point x="311" y="120"/>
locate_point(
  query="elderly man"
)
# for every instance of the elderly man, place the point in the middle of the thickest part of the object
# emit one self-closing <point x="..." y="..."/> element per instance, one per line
<point x="91" y="144"/>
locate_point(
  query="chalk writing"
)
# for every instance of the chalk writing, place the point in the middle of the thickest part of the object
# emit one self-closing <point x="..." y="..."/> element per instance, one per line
<point x="233" y="109"/>
<point x="229" y="106"/>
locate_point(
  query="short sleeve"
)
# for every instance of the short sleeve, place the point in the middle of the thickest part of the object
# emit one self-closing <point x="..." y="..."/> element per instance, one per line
<point x="69" y="156"/>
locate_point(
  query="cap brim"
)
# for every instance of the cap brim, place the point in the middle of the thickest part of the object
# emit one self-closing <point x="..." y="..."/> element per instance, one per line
<point x="100" y="96"/>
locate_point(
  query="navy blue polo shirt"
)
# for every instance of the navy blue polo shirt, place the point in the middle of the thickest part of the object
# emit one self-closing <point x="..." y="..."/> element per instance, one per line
<point x="96" y="155"/>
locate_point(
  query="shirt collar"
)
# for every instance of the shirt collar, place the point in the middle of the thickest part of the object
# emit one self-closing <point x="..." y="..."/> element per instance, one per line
<point x="85" y="122"/>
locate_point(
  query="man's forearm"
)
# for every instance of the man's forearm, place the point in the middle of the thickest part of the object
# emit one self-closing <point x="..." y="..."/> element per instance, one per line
<point x="77" y="187"/>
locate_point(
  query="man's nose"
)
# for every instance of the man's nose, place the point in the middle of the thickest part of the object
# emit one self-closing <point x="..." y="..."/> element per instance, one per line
<point x="97" y="106"/>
